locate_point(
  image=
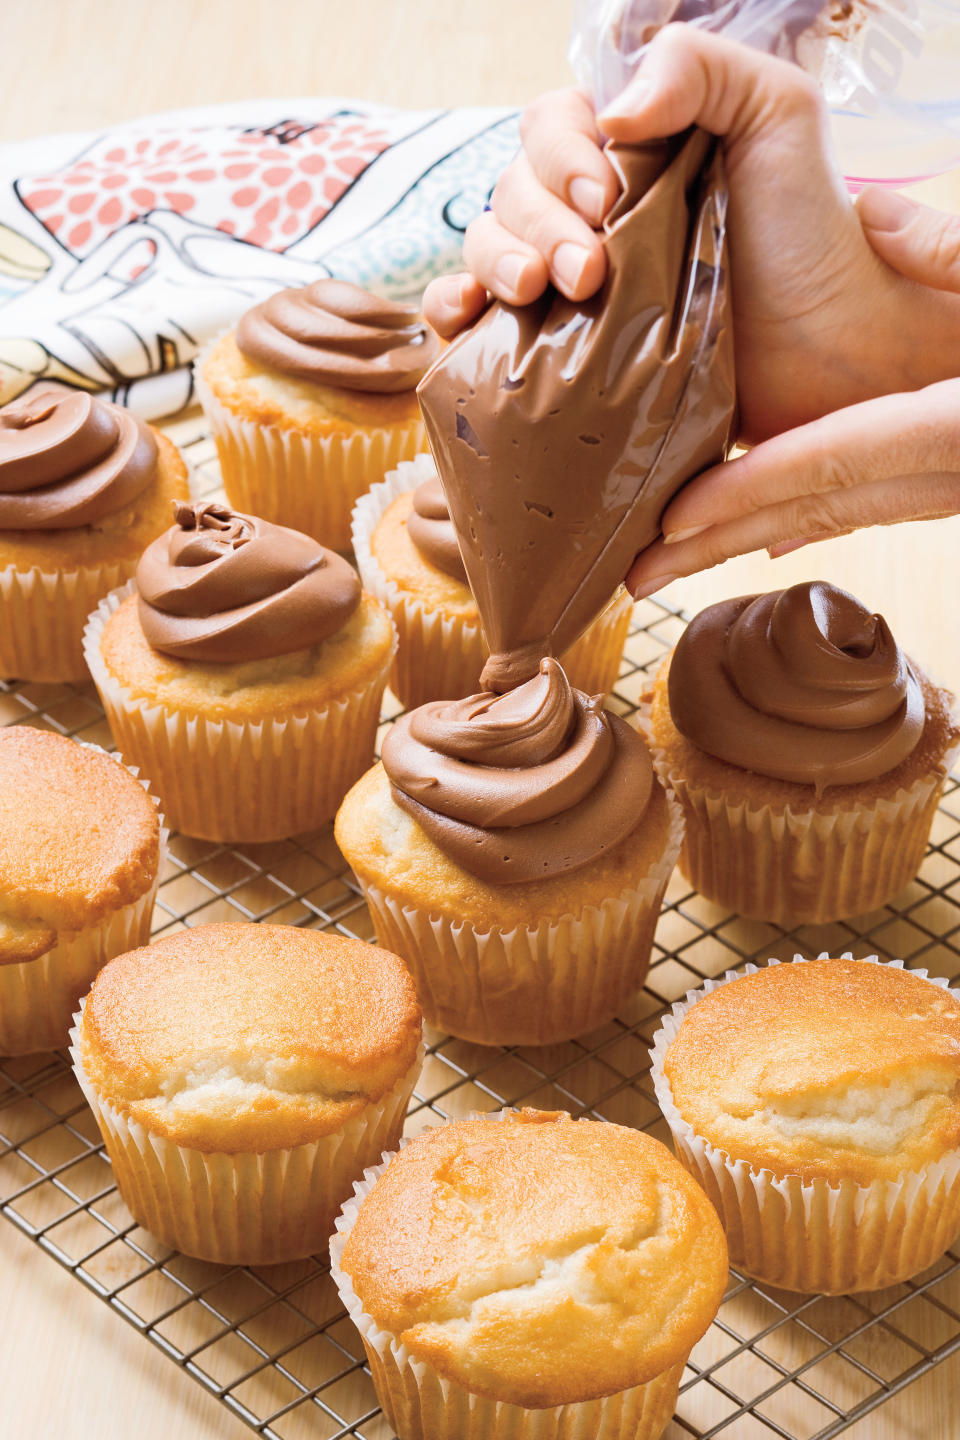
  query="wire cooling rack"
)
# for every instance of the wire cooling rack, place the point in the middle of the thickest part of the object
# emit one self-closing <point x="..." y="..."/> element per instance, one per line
<point x="274" y="1344"/>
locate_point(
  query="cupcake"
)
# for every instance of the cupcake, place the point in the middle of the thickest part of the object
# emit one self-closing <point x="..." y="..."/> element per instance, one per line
<point x="84" y="486"/>
<point x="807" y="751"/>
<point x="818" y="1103"/>
<point x="311" y="399"/>
<point x="514" y="850"/>
<point x="408" y="556"/>
<point x="529" y="1277"/>
<point x="242" y="1076"/>
<point x="80" y="851"/>
<point x="243" y="675"/>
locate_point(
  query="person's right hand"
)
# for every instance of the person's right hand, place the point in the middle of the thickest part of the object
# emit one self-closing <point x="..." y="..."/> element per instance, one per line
<point x="820" y="320"/>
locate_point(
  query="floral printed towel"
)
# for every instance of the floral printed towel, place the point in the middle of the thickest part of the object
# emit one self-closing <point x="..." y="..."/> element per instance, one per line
<point x="122" y="253"/>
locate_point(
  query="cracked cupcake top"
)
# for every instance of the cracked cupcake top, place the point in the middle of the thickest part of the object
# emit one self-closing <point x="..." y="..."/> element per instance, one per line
<point x="246" y="1038"/>
<point x="537" y="1259"/>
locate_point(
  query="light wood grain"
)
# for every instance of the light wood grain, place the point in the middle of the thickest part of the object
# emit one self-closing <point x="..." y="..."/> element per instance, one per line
<point x="69" y="1369"/>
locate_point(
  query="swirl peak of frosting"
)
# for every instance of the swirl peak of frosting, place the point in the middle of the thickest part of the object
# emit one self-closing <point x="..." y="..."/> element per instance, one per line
<point x="431" y="530"/>
<point x="334" y="333"/>
<point x="222" y="587"/>
<point x="804" y="685"/>
<point x="521" y="786"/>
<point x="69" y="459"/>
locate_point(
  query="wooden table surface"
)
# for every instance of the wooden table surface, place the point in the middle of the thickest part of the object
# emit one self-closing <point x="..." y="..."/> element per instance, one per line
<point x="69" y="1368"/>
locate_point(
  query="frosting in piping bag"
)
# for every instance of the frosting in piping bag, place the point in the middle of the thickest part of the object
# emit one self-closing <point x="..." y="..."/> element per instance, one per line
<point x="334" y="333"/>
<point x="69" y="459"/>
<point x="223" y="587"/>
<point x="431" y="530"/>
<point x="561" y="429"/>
<point x="521" y="786"/>
<point x="801" y="684"/>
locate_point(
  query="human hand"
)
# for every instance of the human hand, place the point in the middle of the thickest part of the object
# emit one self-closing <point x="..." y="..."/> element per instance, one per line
<point x="877" y="463"/>
<point x="819" y="317"/>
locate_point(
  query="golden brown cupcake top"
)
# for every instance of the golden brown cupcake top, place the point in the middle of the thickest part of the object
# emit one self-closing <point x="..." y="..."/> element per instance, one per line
<point x="539" y="1260"/>
<point x="834" y="1068"/>
<point x="245" y="1038"/>
<point x="79" y="839"/>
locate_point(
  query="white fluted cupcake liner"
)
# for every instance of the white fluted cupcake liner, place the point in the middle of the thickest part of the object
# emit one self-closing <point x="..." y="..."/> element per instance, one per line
<point x="440" y="656"/>
<point x="42" y="616"/>
<point x="811" y="1236"/>
<point x="243" y="1209"/>
<point x="240" y="781"/>
<point x="420" y="1404"/>
<point x="291" y="477"/>
<point x="793" y="867"/>
<point x="529" y="986"/>
<point x="38" y="997"/>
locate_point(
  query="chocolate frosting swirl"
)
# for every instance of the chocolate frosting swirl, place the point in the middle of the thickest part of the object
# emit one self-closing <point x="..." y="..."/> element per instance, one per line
<point x="68" y="459"/>
<point x="521" y="786"/>
<point x="222" y="587"/>
<point x="801" y="684"/>
<point x="332" y="333"/>
<point x="431" y="530"/>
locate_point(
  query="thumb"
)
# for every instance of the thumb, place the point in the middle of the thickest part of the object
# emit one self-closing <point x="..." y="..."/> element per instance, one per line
<point x="918" y="242"/>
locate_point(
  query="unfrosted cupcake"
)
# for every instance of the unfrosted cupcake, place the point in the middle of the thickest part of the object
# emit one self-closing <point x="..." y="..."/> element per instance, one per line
<point x="818" y="1103"/>
<point x="408" y="556"/>
<point x="243" y="675"/>
<point x="80" y="852"/>
<point x="84" y="486"/>
<point x="514" y="850"/>
<point x="529" y="1277"/>
<point x="312" y="399"/>
<point x="242" y="1077"/>
<point x="807" y="751"/>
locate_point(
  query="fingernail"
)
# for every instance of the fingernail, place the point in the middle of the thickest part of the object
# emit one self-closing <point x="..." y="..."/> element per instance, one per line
<point x="569" y="263"/>
<point x="588" y="197"/>
<point x="508" y="271"/>
<point x="649" y="587"/>
<point x="787" y="547"/>
<point x="885" y="210"/>
<point x="676" y="536"/>
<point x="629" y="101"/>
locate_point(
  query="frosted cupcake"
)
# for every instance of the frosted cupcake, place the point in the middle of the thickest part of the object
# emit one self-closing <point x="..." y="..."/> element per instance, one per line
<point x="818" y="1104"/>
<point x="242" y="1077"/>
<point x="245" y="678"/>
<point x="80" y="852"/>
<point x="312" y="399"/>
<point x="530" y="1277"/>
<point x="807" y="751"/>
<point x="84" y="486"/>
<point x="408" y="556"/>
<point x="514" y="850"/>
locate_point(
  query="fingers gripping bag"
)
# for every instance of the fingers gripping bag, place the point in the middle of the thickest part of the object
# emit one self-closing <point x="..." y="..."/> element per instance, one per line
<point x="561" y="429"/>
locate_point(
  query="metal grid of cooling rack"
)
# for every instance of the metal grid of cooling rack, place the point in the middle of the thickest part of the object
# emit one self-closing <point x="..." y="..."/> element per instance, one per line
<point x="274" y="1344"/>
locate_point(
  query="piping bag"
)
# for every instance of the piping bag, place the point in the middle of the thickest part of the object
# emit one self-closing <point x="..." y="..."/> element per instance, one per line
<point x="562" y="429"/>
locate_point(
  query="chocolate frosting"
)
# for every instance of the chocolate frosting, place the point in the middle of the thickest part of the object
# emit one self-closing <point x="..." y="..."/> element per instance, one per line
<point x="522" y="786"/>
<point x="332" y="333"/>
<point x="801" y="684"/>
<point x="431" y="530"/>
<point x="69" y="459"/>
<point x="223" y="587"/>
<point x="562" y="429"/>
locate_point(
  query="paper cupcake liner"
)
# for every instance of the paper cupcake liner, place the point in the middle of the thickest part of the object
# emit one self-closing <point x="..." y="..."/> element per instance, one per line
<point x="42" y="615"/>
<point x="38" y="997"/>
<point x="529" y="986"/>
<point x="243" y="1209"/>
<point x="420" y="1404"/>
<point x="440" y="656"/>
<point x="307" y="482"/>
<point x="812" y="1236"/>
<point x="794" y="867"/>
<point x="238" y="781"/>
